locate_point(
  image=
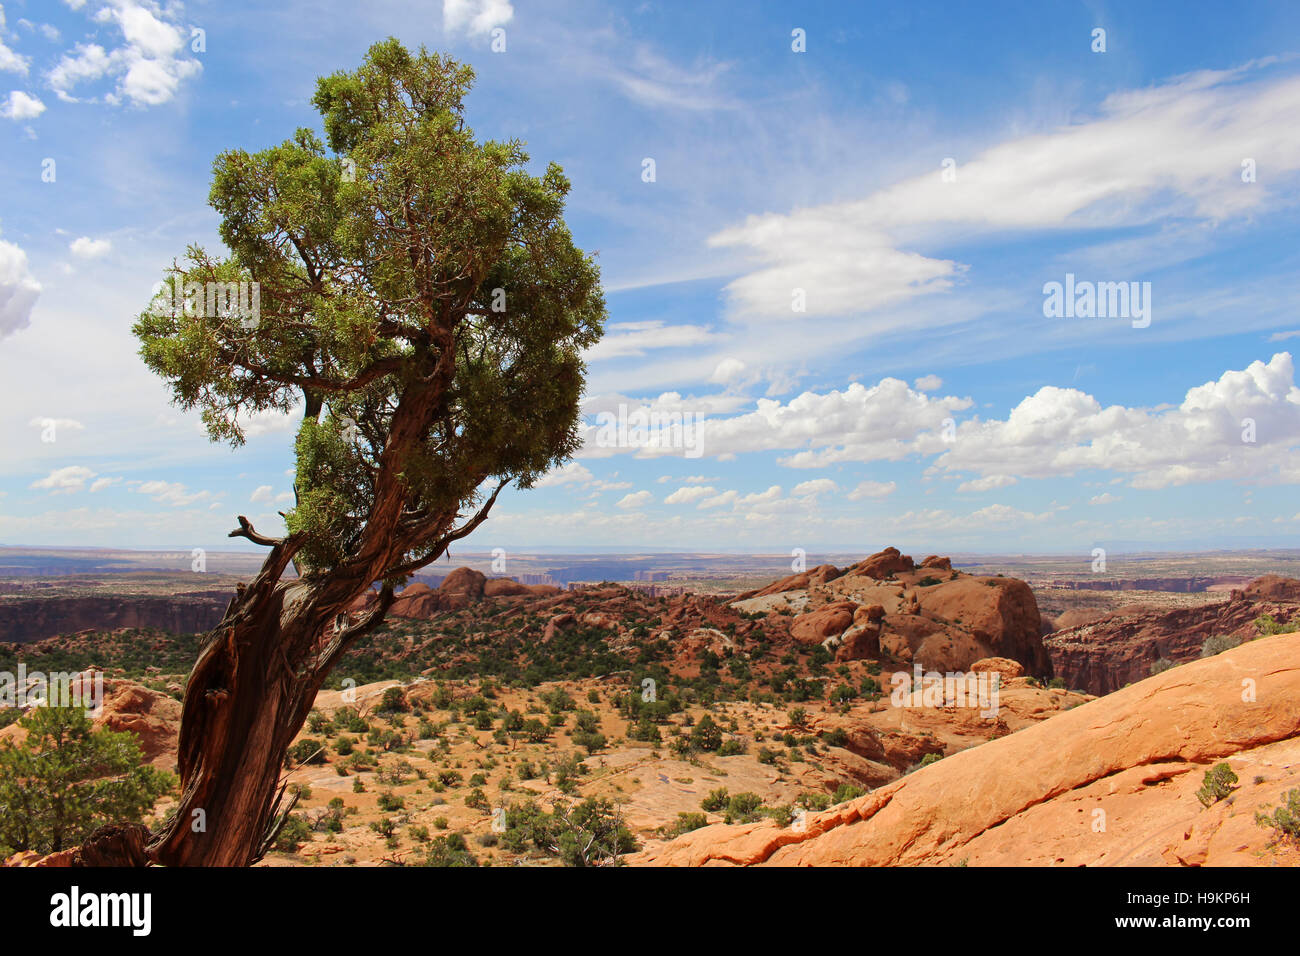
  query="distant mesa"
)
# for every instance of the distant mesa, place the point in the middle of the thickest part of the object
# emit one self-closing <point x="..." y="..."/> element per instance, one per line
<point x="1100" y="653"/>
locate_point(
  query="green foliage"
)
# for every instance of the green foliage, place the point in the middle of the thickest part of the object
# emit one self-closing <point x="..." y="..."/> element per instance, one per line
<point x="1267" y="625"/>
<point x="307" y="750"/>
<point x="1216" y="784"/>
<point x="706" y="735"/>
<point x="567" y="772"/>
<point x="685" y="823"/>
<point x="449" y="850"/>
<point x="814" y="801"/>
<point x="592" y="833"/>
<point x="847" y="791"/>
<point x="839" y="737"/>
<point x="743" y="808"/>
<point x="715" y="801"/>
<point x="296" y="830"/>
<point x="393" y="702"/>
<point x="66" y="778"/>
<point x="1218" y="643"/>
<point x="1284" y="821"/>
<point x="377" y="295"/>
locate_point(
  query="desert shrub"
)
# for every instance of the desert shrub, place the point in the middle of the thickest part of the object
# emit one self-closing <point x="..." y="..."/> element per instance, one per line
<point x="1284" y="820"/>
<point x="296" y="830"/>
<point x="715" y="801"/>
<point x="1161" y="665"/>
<point x="847" y="791"/>
<point x="814" y="801"/>
<point x="644" y="730"/>
<point x="685" y="823"/>
<point x="449" y="850"/>
<point x="390" y="803"/>
<point x="591" y="834"/>
<point x="743" y="808"/>
<point x="393" y="701"/>
<point x="558" y="700"/>
<point x="308" y="750"/>
<point x="783" y="815"/>
<point x="731" y="748"/>
<point x="838" y="737"/>
<point x="1216" y="784"/>
<point x="1267" y="625"/>
<point x="1218" y="643"/>
<point x="567" y="772"/>
<point x="706" y="735"/>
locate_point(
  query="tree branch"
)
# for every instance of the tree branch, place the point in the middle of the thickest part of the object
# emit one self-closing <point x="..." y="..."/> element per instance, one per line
<point x="344" y="638"/>
<point x="479" y="517"/>
<point x="246" y="530"/>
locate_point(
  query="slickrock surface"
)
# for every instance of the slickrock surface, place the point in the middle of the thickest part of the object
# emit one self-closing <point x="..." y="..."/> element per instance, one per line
<point x="1111" y="782"/>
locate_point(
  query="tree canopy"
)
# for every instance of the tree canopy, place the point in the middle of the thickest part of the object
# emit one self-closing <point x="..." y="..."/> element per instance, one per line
<point x="418" y="296"/>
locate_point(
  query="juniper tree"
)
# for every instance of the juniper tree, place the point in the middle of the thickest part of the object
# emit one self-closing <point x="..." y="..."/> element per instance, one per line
<point x="423" y="305"/>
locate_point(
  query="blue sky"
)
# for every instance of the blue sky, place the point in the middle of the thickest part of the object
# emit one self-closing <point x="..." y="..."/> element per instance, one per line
<point x="912" y="179"/>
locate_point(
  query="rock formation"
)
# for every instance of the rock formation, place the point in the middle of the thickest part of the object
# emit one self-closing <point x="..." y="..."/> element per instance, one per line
<point x="1110" y="782"/>
<point x="1105" y="654"/>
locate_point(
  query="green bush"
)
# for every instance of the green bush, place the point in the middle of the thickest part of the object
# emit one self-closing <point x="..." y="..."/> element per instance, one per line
<point x="743" y="808"/>
<point x="296" y="830"/>
<point x="1218" y="643"/>
<point x="685" y="823"/>
<point x="1216" y="784"/>
<point x="308" y="750"/>
<point x="847" y="791"/>
<point x="1285" y="820"/>
<point x="449" y="850"/>
<point x="1267" y="625"/>
<point x="706" y="735"/>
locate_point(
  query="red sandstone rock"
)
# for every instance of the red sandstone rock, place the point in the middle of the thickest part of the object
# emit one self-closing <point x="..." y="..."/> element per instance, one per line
<point x="1136" y="755"/>
<point x="830" y="620"/>
<point x="1103" y="655"/>
<point x="882" y="564"/>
